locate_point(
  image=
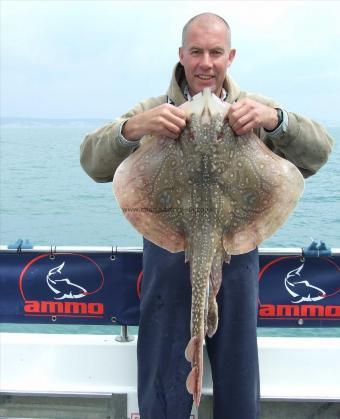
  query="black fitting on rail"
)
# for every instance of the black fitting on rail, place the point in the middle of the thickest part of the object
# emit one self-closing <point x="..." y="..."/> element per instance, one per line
<point x="316" y="250"/>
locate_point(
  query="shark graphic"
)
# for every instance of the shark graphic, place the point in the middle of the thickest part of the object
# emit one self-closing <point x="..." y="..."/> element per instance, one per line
<point x="302" y="290"/>
<point x="63" y="286"/>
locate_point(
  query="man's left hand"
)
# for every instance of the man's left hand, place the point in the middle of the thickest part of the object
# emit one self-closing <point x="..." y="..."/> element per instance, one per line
<point x="247" y="114"/>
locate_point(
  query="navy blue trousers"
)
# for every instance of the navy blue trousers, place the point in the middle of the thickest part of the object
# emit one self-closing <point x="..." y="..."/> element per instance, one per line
<point x="164" y="332"/>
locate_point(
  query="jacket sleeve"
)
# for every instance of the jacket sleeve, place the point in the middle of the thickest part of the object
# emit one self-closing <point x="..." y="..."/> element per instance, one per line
<point x="101" y="152"/>
<point x="305" y="143"/>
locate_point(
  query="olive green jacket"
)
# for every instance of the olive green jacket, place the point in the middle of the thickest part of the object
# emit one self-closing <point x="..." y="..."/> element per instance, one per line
<point x="305" y="143"/>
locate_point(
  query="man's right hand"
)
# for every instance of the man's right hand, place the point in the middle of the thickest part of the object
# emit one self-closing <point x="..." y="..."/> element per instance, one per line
<point x="163" y="121"/>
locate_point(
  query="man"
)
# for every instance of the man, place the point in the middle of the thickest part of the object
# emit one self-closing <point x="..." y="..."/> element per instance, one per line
<point x="164" y="331"/>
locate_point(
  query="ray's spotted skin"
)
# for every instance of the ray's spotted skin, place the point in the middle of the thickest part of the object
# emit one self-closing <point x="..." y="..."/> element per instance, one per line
<point x="211" y="193"/>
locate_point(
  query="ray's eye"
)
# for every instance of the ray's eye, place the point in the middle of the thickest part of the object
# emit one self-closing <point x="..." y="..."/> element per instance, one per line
<point x="249" y="198"/>
<point x="165" y="199"/>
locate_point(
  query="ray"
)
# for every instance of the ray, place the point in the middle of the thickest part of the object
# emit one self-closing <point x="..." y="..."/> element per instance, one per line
<point x="212" y="194"/>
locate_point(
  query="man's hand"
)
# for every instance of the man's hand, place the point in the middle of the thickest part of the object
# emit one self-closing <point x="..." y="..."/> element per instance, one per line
<point x="163" y="121"/>
<point x="247" y="114"/>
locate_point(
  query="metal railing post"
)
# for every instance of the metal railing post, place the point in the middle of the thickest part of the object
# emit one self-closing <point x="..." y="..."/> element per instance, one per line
<point x="124" y="336"/>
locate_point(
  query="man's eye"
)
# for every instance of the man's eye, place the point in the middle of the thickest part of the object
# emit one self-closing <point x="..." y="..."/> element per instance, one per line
<point x="195" y="52"/>
<point x="216" y="52"/>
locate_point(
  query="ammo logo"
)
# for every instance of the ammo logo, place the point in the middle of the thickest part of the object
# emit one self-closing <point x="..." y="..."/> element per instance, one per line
<point x="291" y="289"/>
<point x="65" y="285"/>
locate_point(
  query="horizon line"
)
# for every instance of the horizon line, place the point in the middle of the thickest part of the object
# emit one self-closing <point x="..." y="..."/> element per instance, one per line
<point x="330" y="123"/>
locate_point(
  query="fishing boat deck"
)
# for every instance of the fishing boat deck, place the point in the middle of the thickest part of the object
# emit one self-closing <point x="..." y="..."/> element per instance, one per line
<point x="97" y="371"/>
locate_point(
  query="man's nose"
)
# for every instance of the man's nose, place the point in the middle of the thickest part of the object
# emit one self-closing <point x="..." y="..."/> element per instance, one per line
<point x="206" y="61"/>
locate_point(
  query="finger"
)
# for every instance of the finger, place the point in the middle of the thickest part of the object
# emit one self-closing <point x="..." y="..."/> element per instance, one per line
<point x="173" y="129"/>
<point x="179" y="112"/>
<point x="236" y="115"/>
<point x="245" y="129"/>
<point x="180" y="122"/>
<point x="235" y="107"/>
<point x="237" y="112"/>
<point x="241" y="122"/>
<point x="179" y="119"/>
<point x="175" y="120"/>
<point x="238" y="105"/>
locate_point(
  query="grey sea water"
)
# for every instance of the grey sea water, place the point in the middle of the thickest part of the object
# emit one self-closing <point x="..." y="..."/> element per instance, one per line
<point x="47" y="198"/>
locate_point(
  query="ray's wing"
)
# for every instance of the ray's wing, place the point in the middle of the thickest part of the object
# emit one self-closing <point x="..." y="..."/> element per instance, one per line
<point x="260" y="190"/>
<point x="149" y="186"/>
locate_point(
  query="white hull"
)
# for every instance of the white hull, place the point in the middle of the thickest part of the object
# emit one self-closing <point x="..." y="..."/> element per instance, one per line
<point x="291" y="369"/>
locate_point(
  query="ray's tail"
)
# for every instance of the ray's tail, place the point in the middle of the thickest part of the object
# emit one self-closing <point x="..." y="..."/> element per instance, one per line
<point x="194" y="354"/>
<point x="203" y="293"/>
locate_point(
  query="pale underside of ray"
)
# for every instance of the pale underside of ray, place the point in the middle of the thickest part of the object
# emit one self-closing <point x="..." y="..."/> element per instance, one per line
<point x="210" y="193"/>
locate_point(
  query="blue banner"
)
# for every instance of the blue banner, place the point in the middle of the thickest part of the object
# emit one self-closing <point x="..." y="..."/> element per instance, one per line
<point x="100" y="288"/>
<point x="299" y="292"/>
<point x="75" y="288"/>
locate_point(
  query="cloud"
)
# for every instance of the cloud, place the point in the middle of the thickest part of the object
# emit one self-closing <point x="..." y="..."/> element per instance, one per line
<point x="97" y="58"/>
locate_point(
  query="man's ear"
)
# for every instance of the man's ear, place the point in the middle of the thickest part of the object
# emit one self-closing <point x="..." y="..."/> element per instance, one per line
<point x="180" y="54"/>
<point x="231" y="56"/>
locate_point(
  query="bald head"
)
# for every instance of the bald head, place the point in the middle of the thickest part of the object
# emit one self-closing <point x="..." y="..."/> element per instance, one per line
<point x="206" y="19"/>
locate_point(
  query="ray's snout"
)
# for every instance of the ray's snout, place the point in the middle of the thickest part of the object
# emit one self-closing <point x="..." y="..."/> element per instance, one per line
<point x="205" y="105"/>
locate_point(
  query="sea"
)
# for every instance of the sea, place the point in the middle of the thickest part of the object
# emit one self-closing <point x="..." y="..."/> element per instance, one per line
<point x="47" y="198"/>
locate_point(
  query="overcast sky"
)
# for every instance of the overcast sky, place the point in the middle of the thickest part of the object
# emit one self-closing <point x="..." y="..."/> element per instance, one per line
<point x="96" y="59"/>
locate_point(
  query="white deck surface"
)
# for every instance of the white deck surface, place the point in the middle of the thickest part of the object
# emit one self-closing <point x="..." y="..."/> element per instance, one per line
<point x="290" y="368"/>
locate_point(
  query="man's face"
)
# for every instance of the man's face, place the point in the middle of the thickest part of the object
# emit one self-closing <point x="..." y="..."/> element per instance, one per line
<point x="206" y="56"/>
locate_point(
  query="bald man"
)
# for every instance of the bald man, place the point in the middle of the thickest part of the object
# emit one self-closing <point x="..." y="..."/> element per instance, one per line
<point x="164" y="331"/>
